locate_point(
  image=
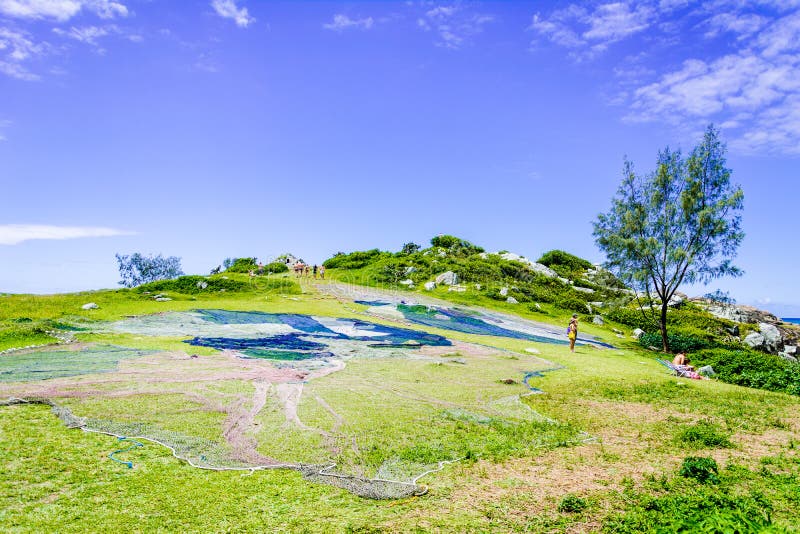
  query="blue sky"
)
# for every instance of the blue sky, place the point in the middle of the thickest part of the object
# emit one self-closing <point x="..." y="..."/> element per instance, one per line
<point x="217" y="128"/>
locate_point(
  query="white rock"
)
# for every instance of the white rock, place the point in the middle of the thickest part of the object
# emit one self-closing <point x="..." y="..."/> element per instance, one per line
<point x="536" y="304"/>
<point x="772" y="336"/>
<point x="478" y="287"/>
<point x="457" y="289"/>
<point x="202" y="285"/>
<point x="163" y="299"/>
<point x="597" y="320"/>
<point x="407" y="282"/>
<point x="90" y="306"/>
<point x="430" y="286"/>
<point x="503" y="291"/>
<point x="512" y="300"/>
<point x="531" y="350"/>
<point x="448" y="278"/>
<point x="583" y="289"/>
<point x="754" y="340"/>
<point x="411" y="269"/>
<point x="791" y="350"/>
<point x="637" y="333"/>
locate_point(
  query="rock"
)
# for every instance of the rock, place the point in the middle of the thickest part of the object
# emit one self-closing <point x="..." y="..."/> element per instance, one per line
<point x="503" y="291"/>
<point x="457" y="288"/>
<point x="733" y="330"/>
<point x="675" y="301"/>
<point x="531" y="350"/>
<point x="532" y="265"/>
<point x="706" y="370"/>
<point x="410" y="270"/>
<point x="637" y="333"/>
<point x="737" y="313"/>
<point x="163" y="299"/>
<point x="408" y="282"/>
<point x="791" y="350"/>
<point x="512" y="300"/>
<point x="788" y="357"/>
<point x="478" y="287"/>
<point x="508" y="381"/>
<point x="537" y="306"/>
<point x="159" y="296"/>
<point x="598" y="320"/>
<point x="620" y="336"/>
<point x="772" y="336"/>
<point x="597" y="304"/>
<point x="202" y="285"/>
<point x="754" y="340"/>
<point x="430" y="286"/>
<point x="616" y="331"/>
<point x="583" y="289"/>
<point x="90" y="306"/>
<point x="448" y="278"/>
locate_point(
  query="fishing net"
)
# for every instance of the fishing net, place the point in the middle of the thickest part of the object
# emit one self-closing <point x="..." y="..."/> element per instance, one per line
<point x="64" y="362"/>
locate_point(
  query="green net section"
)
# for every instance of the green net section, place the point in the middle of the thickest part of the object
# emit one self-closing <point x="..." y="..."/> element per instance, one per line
<point x="205" y="454"/>
<point x="64" y="362"/>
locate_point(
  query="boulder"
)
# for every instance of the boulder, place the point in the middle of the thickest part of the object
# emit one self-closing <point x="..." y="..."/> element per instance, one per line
<point x="772" y="336"/>
<point x="430" y="286"/>
<point x="457" y="288"/>
<point x="478" y="287"/>
<point x="503" y="291"/>
<point x="448" y="278"/>
<point x="791" y="350"/>
<point x="788" y="357"/>
<point x="583" y="289"/>
<point x="410" y="270"/>
<point x="637" y="333"/>
<point x="163" y="299"/>
<point x="754" y="340"/>
<point x="532" y="350"/>
<point x="597" y="320"/>
<point x="532" y="265"/>
<point x="706" y="370"/>
<point x="537" y="306"/>
<point x="408" y="282"/>
<point x="512" y="300"/>
<point x="90" y="306"/>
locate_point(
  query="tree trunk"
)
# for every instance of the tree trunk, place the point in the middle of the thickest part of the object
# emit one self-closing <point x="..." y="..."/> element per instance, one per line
<point x="663" y="326"/>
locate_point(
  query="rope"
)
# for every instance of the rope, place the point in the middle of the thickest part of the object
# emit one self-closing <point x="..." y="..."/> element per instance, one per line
<point x="134" y="444"/>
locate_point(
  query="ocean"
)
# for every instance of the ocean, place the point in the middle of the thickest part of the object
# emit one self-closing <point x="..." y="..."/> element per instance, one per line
<point x="794" y="320"/>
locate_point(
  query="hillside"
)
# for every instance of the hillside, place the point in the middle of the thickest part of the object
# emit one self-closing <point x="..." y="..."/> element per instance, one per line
<point x="363" y="402"/>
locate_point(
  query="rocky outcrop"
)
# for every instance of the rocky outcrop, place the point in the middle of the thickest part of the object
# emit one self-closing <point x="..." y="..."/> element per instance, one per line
<point x="532" y="265"/>
<point x="90" y="306"/>
<point x="448" y="278"/>
<point x="430" y="286"/>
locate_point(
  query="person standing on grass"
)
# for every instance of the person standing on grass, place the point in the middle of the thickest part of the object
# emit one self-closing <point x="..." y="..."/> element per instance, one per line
<point x="572" y="331"/>
<point x="315" y="272"/>
<point x="322" y="272"/>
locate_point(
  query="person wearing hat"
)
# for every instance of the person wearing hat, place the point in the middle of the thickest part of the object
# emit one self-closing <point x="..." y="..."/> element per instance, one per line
<point x="572" y="331"/>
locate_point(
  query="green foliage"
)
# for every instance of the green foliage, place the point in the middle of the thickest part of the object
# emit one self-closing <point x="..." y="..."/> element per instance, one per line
<point x="455" y="245"/>
<point x="242" y="265"/>
<point x="276" y="267"/>
<point x="681" y="223"/>
<point x="703" y="434"/>
<point x="571" y="504"/>
<point x="677" y="342"/>
<point x="752" y="369"/>
<point x="354" y="260"/>
<point x="192" y="285"/>
<point x="700" y="468"/>
<point x="136" y="269"/>
<point x="564" y="263"/>
<point x="410" y="248"/>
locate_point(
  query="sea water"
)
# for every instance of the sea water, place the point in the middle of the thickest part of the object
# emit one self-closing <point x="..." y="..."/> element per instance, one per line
<point x="793" y="320"/>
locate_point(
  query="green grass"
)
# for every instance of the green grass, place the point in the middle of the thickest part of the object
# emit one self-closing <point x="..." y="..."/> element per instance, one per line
<point x="515" y="477"/>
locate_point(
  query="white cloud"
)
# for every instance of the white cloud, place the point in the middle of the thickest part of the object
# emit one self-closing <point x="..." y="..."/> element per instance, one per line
<point x="87" y="34"/>
<point x="229" y="10"/>
<point x="61" y="10"/>
<point x="453" y="24"/>
<point x="742" y="25"/>
<point x="13" y="234"/>
<point x="17" y="47"/>
<point x="343" y="22"/>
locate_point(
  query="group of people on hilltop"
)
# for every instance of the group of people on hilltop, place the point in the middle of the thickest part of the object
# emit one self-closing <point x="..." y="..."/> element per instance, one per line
<point x="303" y="270"/>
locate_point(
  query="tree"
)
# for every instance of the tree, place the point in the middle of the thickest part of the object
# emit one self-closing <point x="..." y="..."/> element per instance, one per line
<point x="410" y="248"/>
<point x="681" y="223"/>
<point x="137" y="269"/>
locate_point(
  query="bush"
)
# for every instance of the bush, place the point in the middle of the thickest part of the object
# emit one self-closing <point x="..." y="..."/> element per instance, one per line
<point x="354" y="260"/>
<point x="571" y="504"/>
<point x="677" y="342"/>
<point x="565" y="263"/>
<point x="703" y="434"/>
<point x="455" y="245"/>
<point x="410" y="248"/>
<point x="701" y="469"/>
<point x="191" y="285"/>
<point x="137" y="269"/>
<point x="241" y="265"/>
<point x="276" y="267"/>
<point x="752" y="369"/>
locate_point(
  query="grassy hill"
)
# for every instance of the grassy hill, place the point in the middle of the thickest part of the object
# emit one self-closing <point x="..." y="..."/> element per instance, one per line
<point x="660" y="454"/>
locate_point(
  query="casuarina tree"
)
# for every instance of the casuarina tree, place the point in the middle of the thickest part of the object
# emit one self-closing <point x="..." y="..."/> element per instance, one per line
<point x="680" y="224"/>
<point x="136" y="269"/>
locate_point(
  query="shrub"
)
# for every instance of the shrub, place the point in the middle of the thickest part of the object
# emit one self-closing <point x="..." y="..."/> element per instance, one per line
<point x="455" y="244"/>
<point x="354" y="260"/>
<point x="571" y="504"/>
<point x="565" y="263"/>
<point x="752" y="369"/>
<point x="701" y="469"/>
<point x="276" y="267"/>
<point x="410" y="248"/>
<point x="242" y="265"/>
<point x="703" y="434"/>
<point x="678" y="342"/>
<point x="190" y="285"/>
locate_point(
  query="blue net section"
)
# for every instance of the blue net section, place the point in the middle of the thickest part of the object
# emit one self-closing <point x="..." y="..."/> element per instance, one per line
<point x="311" y="339"/>
<point x="59" y="363"/>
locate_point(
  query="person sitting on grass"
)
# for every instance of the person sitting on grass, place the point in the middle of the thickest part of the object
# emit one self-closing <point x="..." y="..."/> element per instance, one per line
<point x="682" y="361"/>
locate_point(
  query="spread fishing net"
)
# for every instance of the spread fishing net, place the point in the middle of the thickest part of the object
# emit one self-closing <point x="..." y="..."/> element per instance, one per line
<point x="64" y="362"/>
